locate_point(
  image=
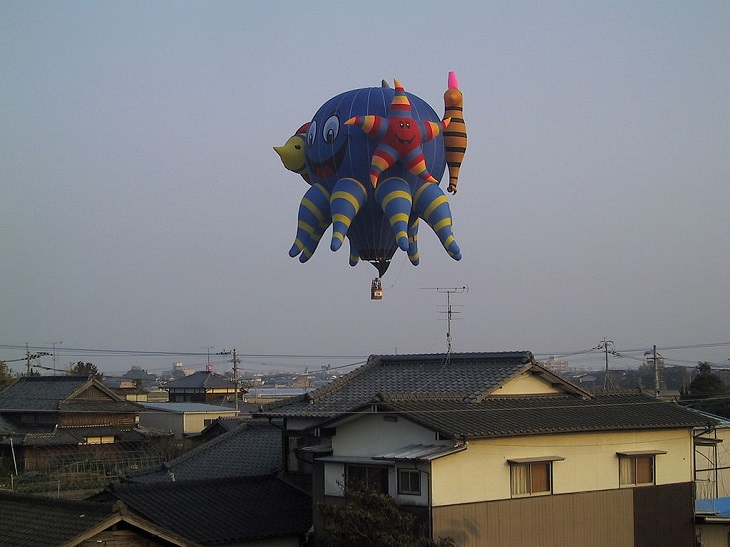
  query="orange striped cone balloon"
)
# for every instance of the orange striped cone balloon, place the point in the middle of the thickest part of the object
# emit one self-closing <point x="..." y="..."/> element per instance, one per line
<point x="455" y="133"/>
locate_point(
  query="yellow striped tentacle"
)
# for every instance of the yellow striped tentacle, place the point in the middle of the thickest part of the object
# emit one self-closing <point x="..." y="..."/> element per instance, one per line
<point x="347" y="198"/>
<point x="394" y="197"/>
<point x="413" y="254"/>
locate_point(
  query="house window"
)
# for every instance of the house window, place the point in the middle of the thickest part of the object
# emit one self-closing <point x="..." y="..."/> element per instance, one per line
<point x="532" y="476"/>
<point x="366" y="477"/>
<point x="409" y="482"/>
<point x="104" y="439"/>
<point x="293" y="443"/>
<point x="637" y="468"/>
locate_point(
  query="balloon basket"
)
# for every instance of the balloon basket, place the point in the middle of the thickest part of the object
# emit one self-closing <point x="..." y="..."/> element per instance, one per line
<point x="376" y="289"/>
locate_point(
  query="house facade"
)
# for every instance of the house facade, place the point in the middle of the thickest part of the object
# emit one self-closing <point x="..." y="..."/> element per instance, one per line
<point x="519" y="487"/>
<point x="202" y="387"/>
<point x="57" y="423"/>
<point x="493" y="449"/>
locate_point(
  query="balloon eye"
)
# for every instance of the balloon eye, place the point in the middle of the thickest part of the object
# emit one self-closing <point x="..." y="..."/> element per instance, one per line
<point x="312" y="133"/>
<point x="298" y="146"/>
<point x="331" y="129"/>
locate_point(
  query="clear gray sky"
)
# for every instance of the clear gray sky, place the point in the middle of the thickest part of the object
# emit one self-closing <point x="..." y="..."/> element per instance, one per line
<point x="144" y="210"/>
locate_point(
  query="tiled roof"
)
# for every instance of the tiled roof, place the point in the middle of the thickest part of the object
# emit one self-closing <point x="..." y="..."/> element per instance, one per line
<point x="527" y="415"/>
<point x="73" y="436"/>
<point x="253" y="448"/>
<point x="201" y="379"/>
<point x="101" y="405"/>
<point x="59" y="393"/>
<point x="40" y="521"/>
<point x="221" y="511"/>
<point x="460" y="375"/>
<point x="40" y="392"/>
<point x="181" y="408"/>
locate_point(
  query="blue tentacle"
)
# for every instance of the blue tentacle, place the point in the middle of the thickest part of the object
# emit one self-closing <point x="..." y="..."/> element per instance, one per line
<point x="394" y="197"/>
<point x="354" y="253"/>
<point x="413" y="254"/>
<point x="432" y="205"/>
<point x="314" y="219"/>
<point x="348" y="197"/>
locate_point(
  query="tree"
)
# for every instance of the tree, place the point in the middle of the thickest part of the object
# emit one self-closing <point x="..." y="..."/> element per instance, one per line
<point x="85" y="369"/>
<point x="6" y="376"/>
<point x="707" y="392"/>
<point x="371" y="519"/>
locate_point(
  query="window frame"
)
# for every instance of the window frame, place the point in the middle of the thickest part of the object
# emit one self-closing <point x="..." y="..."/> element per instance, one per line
<point x="406" y="490"/>
<point x="525" y="487"/>
<point x="376" y="477"/>
<point x="629" y="472"/>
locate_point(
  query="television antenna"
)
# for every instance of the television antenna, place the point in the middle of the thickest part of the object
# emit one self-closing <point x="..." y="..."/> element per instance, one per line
<point x="448" y="291"/>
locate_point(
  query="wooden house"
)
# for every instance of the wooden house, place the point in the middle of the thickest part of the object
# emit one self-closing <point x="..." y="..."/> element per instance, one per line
<point x="58" y="422"/>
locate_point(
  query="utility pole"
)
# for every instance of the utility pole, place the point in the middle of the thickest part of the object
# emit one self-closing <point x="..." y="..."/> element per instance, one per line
<point x="54" y="355"/>
<point x="606" y="344"/>
<point x="208" y="348"/>
<point x="235" y="373"/>
<point x="655" y="358"/>
<point x="29" y="356"/>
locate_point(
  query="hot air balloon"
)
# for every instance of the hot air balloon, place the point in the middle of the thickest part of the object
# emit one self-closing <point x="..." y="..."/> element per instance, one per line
<point x="374" y="157"/>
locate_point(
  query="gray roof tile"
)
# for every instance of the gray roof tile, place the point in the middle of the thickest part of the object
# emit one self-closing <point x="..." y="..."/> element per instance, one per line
<point x="462" y="375"/>
<point x="253" y="448"/>
<point x="40" y="392"/>
<point x="223" y="510"/>
<point x="527" y="415"/>
<point x="59" y="393"/>
<point x="201" y="379"/>
<point x="39" y="521"/>
<point x="74" y="436"/>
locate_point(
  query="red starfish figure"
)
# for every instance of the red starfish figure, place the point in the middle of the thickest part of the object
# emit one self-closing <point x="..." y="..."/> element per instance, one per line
<point x="400" y="137"/>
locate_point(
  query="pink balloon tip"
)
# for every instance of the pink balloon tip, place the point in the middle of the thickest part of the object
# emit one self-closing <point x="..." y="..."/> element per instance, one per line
<point x="453" y="81"/>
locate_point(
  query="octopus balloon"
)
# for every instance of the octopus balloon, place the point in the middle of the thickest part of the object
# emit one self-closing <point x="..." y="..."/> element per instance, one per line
<point x="373" y="158"/>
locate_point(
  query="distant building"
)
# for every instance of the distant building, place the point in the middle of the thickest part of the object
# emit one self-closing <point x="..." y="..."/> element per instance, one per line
<point x="555" y="364"/>
<point x="55" y="422"/>
<point x="183" y="419"/>
<point x="202" y="387"/>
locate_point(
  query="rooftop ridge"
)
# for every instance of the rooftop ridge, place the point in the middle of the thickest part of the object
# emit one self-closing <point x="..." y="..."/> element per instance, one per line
<point x="323" y="391"/>
<point x="411" y="396"/>
<point x="182" y="484"/>
<point x="460" y="356"/>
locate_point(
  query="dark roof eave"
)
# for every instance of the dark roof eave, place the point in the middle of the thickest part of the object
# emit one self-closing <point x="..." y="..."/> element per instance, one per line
<point x="558" y="431"/>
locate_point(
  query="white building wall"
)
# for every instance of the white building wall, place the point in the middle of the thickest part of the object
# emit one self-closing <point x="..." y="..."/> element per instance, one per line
<point x="376" y="434"/>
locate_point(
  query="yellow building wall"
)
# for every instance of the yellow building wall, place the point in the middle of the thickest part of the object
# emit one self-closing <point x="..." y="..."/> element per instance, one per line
<point x="194" y="422"/>
<point x="526" y="384"/>
<point x="482" y="472"/>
